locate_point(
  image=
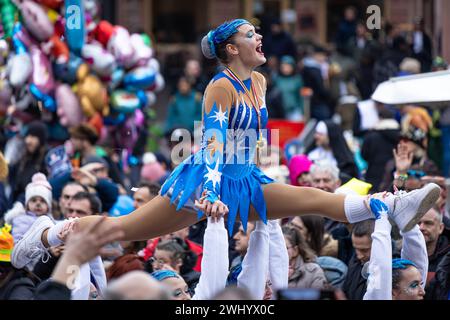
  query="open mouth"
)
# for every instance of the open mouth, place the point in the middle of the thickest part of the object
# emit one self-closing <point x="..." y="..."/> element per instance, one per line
<point x="259" y="49"/>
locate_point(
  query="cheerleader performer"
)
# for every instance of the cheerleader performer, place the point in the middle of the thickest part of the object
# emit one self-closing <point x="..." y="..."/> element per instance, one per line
<point x="222" y="178"/>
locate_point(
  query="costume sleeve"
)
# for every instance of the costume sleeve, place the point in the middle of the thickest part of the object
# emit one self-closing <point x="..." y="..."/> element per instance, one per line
<point x="379" y="283"/>
<point x="215" y="119"/>
<point x="214" y="262"/>
<point x="253" y="276"/>
<point x="414" y="249"/>
<point x="278" y="257"/>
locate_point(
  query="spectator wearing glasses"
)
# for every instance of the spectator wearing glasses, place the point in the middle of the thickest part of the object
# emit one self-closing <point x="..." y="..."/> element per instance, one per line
<point x="172" y="255"/>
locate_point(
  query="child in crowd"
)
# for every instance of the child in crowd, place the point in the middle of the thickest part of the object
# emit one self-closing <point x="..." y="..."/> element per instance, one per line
<point x="38" y="202"/>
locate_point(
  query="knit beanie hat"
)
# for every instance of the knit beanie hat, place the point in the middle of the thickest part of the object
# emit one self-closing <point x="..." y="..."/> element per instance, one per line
<point x="151" y="170"/>
<point x="39" y="186"/>
<point x="298" y="165"/>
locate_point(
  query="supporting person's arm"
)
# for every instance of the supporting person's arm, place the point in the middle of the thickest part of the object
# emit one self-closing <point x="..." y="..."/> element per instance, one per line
<point x="414" y="249"/>
<point x="255" y="265"/>
<point x="278" y="257"/>
<point x="379" y="282"/>
<point x="214" y="262"/>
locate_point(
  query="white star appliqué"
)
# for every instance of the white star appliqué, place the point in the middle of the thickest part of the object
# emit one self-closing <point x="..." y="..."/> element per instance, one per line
<point x="220" y="116"/>
<point x="214" y="175"/>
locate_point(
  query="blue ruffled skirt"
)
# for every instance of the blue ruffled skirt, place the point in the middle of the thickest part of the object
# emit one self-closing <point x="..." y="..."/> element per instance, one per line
<point x="240" y="186"/>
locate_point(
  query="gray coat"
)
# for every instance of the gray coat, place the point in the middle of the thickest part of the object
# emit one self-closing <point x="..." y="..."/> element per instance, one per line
<point x="307" y="275"/>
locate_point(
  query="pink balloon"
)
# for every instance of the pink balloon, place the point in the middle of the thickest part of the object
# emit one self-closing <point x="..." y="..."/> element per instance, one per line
<point x="36" y="20"/>
<point x="139" y="118"/>
<point x="69" y="110"/>
<point x="42" y="71"/>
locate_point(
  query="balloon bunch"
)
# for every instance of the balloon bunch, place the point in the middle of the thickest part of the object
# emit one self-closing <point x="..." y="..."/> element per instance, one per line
<point x="57" y="54"/>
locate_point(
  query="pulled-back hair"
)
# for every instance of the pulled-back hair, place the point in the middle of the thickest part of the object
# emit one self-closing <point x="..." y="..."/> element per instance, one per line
<point x="295" y="237"/>
<point x="179" y="250"/>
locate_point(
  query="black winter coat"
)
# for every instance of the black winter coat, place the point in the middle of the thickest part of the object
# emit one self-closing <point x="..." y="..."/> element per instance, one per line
<point x="377" y="151"/>
<point x="355" y="286"/>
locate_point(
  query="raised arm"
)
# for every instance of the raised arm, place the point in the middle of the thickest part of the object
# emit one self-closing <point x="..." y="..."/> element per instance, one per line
<point x="214" y="262"/>
<point x="255" y="265"/>
<point x="379" y="283"/>
<point x="278" y="257"/>
<point x="414" y="249"/>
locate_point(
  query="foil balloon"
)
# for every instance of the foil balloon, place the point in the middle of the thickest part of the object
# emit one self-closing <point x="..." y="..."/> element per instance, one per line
<point x="91" y="7"/>
<point x="101" y="61"/>
<point x="142" y="52"/>
<point x="116" y="79"/>
<point x="36" y="20"/>
<point x="70" y="71"/>
<point x="115" y="119"/>
<point x="120" y="46"/>
<point x="69" y="110"/>
<point x="103" y="32"/>
<point x="139" y="118"/>
<point x="75" y="25"/>
<point x="127" y="102"/>
<point x="5" y="90"/>
<point x="53" y="4"/>
<point x="4" y="51"/>
<point x="93" y="96"/>
<point x="42" y="76"/>
<point x="47" y="101"/>
<point x="97" y="122"/>
<point x="20" y="65"/>
<point x="8" y="13"/>
<point x="140" y="78"/>
<point x="59" y="49"/>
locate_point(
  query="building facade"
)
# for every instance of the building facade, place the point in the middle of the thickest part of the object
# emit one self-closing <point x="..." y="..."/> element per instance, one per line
<point x="179" y="23"/>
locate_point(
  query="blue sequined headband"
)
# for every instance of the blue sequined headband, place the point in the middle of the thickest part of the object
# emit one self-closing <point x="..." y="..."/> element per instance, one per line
<point x="402" y="264"/>
<point x="161" y="275"/>
<point x="223" y="32"/>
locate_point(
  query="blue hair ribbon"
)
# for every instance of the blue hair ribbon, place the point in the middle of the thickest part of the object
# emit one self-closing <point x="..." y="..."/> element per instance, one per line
<point x="402" y="263"/>
<point x="161" y="275"/>
<point x="223" y="32"/>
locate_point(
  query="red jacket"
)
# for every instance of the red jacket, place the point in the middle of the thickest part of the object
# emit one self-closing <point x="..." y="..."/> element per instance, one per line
<point x="194" y="247"/>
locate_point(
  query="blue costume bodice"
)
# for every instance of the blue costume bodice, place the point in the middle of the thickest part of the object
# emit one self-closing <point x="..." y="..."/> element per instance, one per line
<point x="224" y="167"/>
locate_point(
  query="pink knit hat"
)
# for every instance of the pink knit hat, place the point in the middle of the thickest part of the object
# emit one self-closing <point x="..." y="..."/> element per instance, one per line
<point x="299" y="164"/>
<point x="39" y="186"/>
<point x="152" y="170"/>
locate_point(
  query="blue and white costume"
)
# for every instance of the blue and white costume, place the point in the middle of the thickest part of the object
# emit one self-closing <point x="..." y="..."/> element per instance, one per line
<point x="224" y="168"/>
